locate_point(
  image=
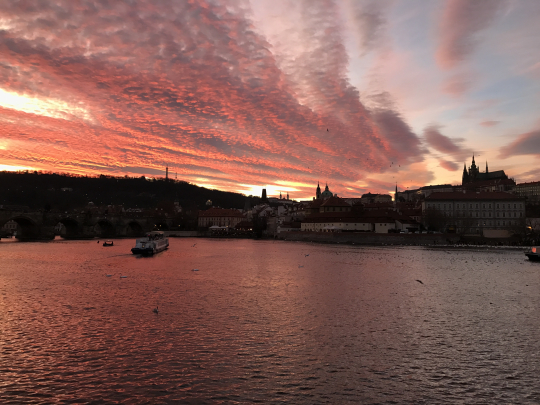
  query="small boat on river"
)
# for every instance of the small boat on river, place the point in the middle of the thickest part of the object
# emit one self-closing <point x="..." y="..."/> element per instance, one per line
<point x="533" y="254"/>
<point x="153" y="242"/>
<point x="108" y="243"/>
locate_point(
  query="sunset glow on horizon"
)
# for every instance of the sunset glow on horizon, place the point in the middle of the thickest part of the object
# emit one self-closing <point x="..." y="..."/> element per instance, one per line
<point x="242" y="95"/>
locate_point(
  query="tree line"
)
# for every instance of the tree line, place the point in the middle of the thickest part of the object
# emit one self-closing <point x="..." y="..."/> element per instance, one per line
<point x="64" y="192"/>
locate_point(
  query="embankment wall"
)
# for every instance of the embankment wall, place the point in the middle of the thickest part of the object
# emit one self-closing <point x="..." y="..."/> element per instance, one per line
<point x="368" y="238"/>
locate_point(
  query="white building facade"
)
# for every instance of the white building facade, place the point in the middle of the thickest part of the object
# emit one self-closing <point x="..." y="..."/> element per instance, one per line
<point x="476" y="212"/>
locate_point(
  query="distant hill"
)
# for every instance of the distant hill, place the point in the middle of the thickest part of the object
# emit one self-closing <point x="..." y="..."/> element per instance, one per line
<point x="39" y="190"/>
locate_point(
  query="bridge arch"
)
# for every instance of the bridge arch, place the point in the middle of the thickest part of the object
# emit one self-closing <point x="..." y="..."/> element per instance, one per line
<point x="27" y="228"/>
<point x="105" y="229"/>
<point x="134" y="229"/>
<point x="73" y="228"/>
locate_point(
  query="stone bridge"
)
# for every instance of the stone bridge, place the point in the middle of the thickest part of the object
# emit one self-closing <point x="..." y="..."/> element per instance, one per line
<point x="33" y="225"/>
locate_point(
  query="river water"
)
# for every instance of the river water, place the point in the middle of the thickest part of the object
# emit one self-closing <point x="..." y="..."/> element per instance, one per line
<point x="267" y="322"/>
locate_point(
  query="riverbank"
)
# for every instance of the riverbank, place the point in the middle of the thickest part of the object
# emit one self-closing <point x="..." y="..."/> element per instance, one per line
<point x="413" y="239"/>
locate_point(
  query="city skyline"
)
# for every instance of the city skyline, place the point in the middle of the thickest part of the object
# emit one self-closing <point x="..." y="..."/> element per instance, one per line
<point x="245" y="95"/>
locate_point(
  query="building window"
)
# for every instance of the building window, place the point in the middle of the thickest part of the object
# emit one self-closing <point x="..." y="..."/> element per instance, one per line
<point x="476" y="205"/>
<point x="497" y="206"/>
<point x="483" y="206"/>
<point x="489" y="206"/>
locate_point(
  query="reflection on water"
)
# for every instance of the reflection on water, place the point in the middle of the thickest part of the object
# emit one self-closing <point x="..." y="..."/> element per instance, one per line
<point x="265" y="321"/>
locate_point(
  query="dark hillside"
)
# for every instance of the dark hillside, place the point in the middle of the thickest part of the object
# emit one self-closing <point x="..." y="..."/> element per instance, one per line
<point x="39" y="190"/>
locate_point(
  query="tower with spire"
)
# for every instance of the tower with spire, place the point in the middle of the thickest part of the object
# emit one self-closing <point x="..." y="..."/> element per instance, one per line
<point x="473" y="174"/>
<point x="465" y="177"/>
<point x="318" y="192"/>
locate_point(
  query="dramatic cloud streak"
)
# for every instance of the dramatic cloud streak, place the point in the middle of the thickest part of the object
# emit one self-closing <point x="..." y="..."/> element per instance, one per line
<point x="460" y="25"/>
<point x="525" y="144"/>
<point x="441" y="142"/>
<point x="239" y="94"/>
<point x="447" y="146"/>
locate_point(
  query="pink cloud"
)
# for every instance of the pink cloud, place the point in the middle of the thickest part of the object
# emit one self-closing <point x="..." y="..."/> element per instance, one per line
<point x="370" y="23"/>
<point x="526" y="144"/>
<point x="489" y="123"/>
<point x="461" y="23"/>
<point x="450" y="166"/>
<point x="441" y="142"/>
<point x="457" y="85"/>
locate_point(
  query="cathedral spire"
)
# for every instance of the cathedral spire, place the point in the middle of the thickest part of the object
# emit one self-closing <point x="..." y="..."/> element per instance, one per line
<point x="465" y="177"/>
<point x="487" y="170"/>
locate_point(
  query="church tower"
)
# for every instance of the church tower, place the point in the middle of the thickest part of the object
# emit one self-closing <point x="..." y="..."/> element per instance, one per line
<point x="318" y="193"/>
<point x="465" y="178"/>
<point x="473" y="171"/>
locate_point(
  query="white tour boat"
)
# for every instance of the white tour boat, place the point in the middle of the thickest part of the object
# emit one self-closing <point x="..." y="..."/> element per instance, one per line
<point x="153" y="242"/>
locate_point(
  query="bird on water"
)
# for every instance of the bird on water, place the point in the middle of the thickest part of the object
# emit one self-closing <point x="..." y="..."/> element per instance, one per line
<point x="155" y="310"/>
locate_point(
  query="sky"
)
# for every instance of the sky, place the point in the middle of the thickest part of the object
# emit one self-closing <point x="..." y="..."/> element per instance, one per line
<point x="241" y="95"/>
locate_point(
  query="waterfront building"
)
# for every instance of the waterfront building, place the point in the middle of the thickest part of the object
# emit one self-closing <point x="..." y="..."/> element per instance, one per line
<point x="376" y="206"/>
<point x="426" y="191"/>
<point x="219" y="217"/>
<point x="492" y="214"/>
<point x="334" y="204"/>
<point x="530" y="191"/>
<point x="345" y="222"/>
<point x="9" y="228"/>
<point x="381" y="221"/>
<point x="369" y="198"/>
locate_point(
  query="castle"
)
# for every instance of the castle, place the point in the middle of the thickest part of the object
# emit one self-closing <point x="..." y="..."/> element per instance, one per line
<point x="473" y="175"/>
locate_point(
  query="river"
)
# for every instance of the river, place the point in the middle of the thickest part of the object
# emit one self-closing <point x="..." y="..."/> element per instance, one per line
<point x="267" y="322"/>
